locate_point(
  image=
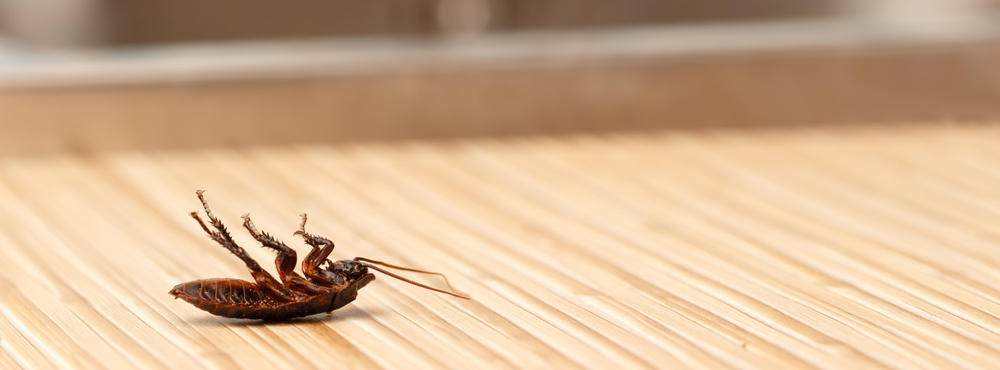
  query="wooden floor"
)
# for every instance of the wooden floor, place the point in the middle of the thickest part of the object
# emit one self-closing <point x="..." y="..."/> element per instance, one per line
<point x="864" y="247"/>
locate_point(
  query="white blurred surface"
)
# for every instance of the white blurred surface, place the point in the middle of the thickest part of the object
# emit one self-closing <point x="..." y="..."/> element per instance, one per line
<point x="216" y="61"/>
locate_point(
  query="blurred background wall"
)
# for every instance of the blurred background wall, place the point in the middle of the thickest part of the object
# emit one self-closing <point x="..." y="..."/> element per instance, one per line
<point x="118" y="22"/>
<point x="88" y="75"/>
<point x="121" y="22"/>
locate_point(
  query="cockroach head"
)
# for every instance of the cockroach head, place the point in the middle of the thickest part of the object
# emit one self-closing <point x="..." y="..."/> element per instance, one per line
<point x="350" y="269"/>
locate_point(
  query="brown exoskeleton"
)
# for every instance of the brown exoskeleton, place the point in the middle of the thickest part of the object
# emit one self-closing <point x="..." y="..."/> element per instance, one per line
<point x="323" y="289"/>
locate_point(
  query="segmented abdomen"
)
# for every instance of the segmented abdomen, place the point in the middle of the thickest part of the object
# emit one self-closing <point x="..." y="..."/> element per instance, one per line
<point x="242" y="299"/>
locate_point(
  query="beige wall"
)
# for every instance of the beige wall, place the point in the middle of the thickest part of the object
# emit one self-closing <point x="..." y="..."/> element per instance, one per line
<point x="867" y="85"/>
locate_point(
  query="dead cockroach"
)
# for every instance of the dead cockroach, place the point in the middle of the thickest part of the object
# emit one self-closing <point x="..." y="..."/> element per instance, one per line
<point x="323" y="289"/>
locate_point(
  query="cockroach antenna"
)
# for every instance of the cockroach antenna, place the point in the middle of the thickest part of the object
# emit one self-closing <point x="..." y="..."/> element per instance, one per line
<point x="369" y="264"/>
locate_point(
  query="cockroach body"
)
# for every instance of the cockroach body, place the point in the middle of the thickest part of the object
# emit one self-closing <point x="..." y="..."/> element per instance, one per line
<point x="326" y="286"/>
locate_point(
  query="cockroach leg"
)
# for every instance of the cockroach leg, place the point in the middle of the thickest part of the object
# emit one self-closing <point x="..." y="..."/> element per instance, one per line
<point x="302" y="224"/>
<point x="302" y="231"/>
<point x="284" y="262"/>
<point x="321" y="249"/>
<point x="268" y="284"/>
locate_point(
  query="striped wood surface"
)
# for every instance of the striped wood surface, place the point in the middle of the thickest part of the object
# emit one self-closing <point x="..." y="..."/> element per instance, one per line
<point x="864" y="247"/>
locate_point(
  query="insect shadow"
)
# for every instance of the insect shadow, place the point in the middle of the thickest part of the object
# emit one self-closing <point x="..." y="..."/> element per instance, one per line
<point x="346" y="314"/>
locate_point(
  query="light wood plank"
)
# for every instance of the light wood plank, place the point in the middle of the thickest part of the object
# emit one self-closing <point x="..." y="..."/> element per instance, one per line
<point x="861" y="247"/>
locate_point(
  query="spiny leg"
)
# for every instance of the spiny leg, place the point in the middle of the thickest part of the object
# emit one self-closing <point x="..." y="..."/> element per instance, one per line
<point x="322" y="247"/>
<point x="268" y="283"/>
<point x="315" y="247"/>
<point x="284" y="262"/>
